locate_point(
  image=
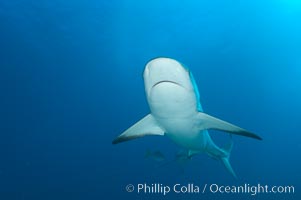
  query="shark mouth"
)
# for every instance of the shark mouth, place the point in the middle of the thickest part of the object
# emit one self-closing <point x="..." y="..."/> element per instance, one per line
<point x="166" y="81"/>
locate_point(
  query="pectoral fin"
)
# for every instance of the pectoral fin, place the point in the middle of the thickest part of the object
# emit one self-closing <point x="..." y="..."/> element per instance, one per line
<point x="146" y="126"/>
<point x="208" y="122"/>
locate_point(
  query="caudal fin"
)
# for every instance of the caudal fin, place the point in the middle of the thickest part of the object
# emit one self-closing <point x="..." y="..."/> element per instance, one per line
<point x="222" y="154"/>
<point x="225" y="159"/>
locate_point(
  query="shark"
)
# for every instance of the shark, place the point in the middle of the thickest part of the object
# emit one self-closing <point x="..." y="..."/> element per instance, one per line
<point x="176" y="112"/>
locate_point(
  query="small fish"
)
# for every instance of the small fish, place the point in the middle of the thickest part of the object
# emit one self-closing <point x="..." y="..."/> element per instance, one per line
<point x="182" y="156"/>
<point x="154" y="155"/>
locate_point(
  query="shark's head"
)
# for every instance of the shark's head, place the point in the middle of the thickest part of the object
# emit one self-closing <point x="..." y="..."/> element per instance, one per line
<point x="165" y="70"/>
<point x="168" y="83"/>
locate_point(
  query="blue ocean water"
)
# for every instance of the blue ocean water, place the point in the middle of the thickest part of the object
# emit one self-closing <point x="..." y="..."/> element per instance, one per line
<point x="71" y="82"/>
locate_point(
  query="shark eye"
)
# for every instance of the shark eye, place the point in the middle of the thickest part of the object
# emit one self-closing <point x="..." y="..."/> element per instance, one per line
<point x="185" y="67"/>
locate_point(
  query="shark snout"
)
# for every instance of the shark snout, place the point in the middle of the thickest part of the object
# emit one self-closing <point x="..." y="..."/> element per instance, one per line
<point x="161" y="71"/>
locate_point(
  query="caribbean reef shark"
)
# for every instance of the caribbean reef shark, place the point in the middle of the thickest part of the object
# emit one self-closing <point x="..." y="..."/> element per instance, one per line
<point x="176" y="112"/>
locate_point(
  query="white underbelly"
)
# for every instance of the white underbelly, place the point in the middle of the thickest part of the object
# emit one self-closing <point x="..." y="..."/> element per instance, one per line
<point x="175" y="109"/>
<point x="184" y="132"/>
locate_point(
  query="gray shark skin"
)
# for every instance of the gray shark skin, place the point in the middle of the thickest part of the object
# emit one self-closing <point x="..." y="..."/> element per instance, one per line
<point x="176" y="112"/>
